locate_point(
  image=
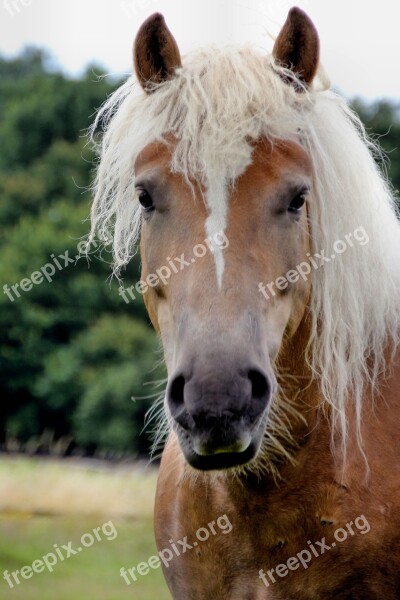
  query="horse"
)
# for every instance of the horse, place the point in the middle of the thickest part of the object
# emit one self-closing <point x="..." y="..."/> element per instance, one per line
<point x="270" y="244"/>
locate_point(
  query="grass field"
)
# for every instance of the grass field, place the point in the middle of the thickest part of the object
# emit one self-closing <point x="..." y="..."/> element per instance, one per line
<point x="43" y="503"/>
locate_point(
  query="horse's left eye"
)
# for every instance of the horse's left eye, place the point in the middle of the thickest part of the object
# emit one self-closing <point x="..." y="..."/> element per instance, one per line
<point x="297" y="203"/>
<point x="145" y="200"/>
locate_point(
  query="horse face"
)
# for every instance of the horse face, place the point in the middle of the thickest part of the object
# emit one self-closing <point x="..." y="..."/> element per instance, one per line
<point x="222" y="327"/>
<point x="221" y="265"/>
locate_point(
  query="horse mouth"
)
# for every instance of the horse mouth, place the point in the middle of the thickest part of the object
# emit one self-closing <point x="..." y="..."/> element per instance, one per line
<point x="228" y="448"/>
<point x="221" y="460"/>
<point x="214" y="456"/>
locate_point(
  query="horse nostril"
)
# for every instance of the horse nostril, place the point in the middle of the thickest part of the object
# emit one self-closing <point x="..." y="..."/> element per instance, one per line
<point x="220" y="402"/>
<point x="175" y="396"/>
<point x="176" y="402"/>
<point x="260" y="386"/>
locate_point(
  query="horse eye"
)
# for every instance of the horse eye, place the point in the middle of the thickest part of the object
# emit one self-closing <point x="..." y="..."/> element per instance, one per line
<point x="298" y="202"/>
<point x="145" y="200"/>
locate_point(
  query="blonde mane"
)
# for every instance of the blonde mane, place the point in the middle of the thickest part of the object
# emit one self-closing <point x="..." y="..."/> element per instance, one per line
<point x="218" y="102"/>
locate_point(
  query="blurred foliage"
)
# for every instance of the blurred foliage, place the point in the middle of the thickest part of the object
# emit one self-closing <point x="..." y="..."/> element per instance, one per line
<point x="382" y="121"/>
<point x="73" y="353"/>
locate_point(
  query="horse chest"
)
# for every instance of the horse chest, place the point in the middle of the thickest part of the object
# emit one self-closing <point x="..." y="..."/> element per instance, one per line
<point x="328" y="543"/>
<point x="246" y="568"/>
<point x="322" y="545"/>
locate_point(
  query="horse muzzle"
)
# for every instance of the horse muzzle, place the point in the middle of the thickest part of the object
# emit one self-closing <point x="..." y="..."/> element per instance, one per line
<point x="219" y="413"/>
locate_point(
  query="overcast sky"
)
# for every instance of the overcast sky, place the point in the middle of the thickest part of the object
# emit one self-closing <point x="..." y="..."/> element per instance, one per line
<point x="360" y="39"/>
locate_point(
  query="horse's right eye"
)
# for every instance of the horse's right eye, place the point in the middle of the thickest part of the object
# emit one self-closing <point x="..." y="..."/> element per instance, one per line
<point x="145" y="200"/>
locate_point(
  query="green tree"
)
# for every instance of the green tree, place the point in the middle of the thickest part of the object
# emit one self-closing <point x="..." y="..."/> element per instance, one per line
<point x="382" y="121"/>
<point x="55" y="337"/>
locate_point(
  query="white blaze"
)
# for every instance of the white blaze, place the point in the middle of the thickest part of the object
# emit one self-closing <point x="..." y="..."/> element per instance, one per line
<point x="217" y="196"/>
<point x="217" y="202"/>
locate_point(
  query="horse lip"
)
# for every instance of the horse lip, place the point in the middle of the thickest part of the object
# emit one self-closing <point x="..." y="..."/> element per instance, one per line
<point x="205" y="457"/>
<point x="209" y="448"/>
<point x="221" y="461"/>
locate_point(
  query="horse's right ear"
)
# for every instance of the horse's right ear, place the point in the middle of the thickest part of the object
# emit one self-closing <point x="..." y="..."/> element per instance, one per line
<point x="155" y="53"/>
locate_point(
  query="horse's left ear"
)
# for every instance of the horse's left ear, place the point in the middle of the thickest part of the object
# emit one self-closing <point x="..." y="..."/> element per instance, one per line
<point x="155" y="52"/>
<point x="297" y="45"/>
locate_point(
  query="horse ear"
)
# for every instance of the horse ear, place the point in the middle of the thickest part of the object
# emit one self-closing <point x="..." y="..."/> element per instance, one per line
<point x="297" y="45"/>
<point x="155" y="52"/>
